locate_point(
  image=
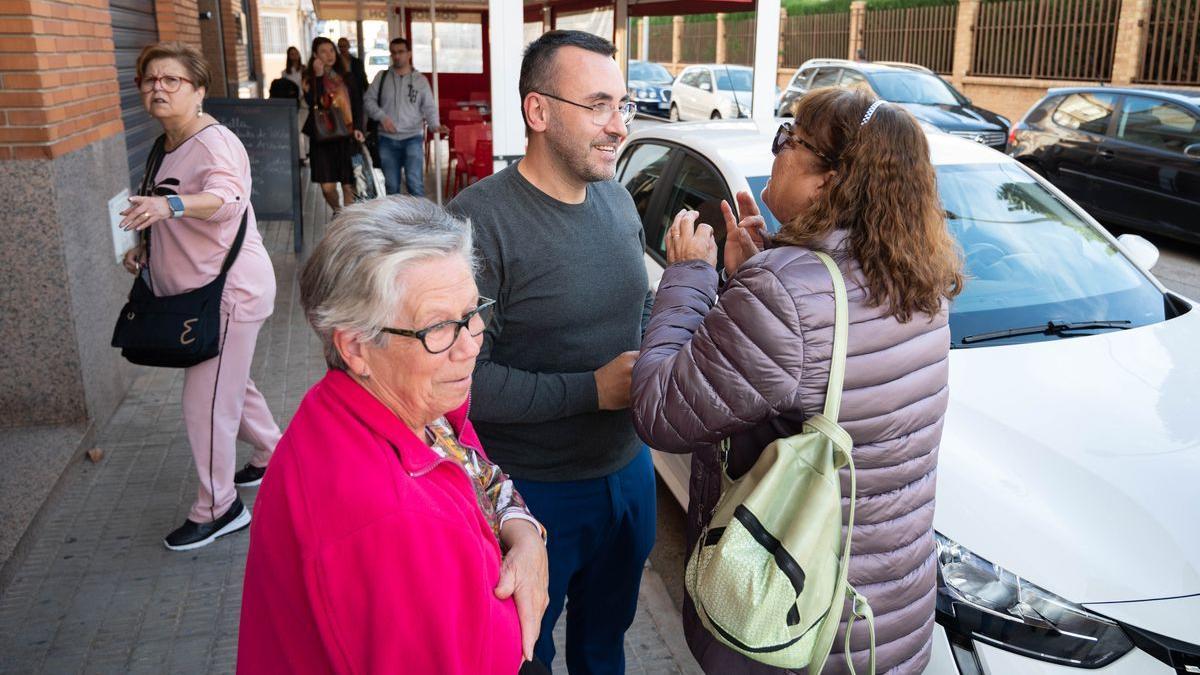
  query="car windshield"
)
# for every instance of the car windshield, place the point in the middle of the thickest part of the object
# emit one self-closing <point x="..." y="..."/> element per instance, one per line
<point x="649" y="72"/>
<point x="913" y="88"/>
<point x="734" y="79"/>
<point x="1030" y="258"/>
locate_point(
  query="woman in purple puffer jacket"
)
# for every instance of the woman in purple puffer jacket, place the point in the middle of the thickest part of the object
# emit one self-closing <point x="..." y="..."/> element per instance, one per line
<point x="749" y="361"/>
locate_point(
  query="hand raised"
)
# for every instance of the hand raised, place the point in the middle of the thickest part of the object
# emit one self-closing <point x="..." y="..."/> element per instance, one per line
<point x="688" y="241"/>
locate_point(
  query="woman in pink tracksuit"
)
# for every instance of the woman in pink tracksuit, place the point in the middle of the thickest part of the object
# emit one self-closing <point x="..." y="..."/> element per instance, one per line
<point x="384" y="541"/>
<point x="200" y="192"/>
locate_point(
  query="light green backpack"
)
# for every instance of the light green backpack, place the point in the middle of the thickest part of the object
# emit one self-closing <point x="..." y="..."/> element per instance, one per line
<point x="768" y="577"/>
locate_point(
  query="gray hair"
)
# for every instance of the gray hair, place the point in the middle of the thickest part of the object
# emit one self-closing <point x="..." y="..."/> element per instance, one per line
<point x="352" y="280"/>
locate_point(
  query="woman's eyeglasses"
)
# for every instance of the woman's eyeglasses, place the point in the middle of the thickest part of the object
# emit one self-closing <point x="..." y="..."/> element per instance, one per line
<point x="169" y="83"/>
<point x="784" y="138"/>
<point x="441" y="336"/>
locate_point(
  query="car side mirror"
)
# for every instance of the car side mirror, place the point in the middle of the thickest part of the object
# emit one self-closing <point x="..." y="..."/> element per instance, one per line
<point x="706" y="86"/>
<point x="1142" y="252"/>
<point x="1192" y="150"/>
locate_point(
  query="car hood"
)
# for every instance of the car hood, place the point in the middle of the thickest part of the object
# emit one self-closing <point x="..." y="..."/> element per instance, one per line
<point x="954" y="117"/>
<point x="1174" y="617"/>
<point x="643" y="84"/>
<point x="1075" y="463"/>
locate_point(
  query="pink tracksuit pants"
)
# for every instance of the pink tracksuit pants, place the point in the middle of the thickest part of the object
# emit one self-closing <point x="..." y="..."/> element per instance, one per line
<point x="220" y="406"/>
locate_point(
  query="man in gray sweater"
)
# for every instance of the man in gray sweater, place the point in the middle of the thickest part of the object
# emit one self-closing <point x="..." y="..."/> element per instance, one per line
<point x="400" y="100"/>
<point x="560" y="247"/>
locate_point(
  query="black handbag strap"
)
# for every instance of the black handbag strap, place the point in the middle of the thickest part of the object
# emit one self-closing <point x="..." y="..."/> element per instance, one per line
<point x="153" y="162"/>
<point x="237" y="243"/>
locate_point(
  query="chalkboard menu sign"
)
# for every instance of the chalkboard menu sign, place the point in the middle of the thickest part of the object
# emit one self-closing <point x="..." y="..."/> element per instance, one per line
<point x="267" y="127"/>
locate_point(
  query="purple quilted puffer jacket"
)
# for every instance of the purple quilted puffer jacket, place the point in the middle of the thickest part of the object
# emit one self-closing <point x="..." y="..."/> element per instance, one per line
<point x="751" y="364"/>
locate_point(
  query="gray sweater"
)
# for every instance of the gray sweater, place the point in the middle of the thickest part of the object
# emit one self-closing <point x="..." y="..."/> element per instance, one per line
<point x="571" y="293"/>
<point x="406" y="110"/>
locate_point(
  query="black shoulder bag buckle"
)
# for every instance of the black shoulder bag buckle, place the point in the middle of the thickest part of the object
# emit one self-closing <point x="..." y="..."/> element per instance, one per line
<point x="173" y="331"/>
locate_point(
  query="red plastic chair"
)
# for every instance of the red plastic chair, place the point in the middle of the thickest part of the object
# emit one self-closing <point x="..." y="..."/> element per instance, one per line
<point x="463" y="117"/>
<point x="483" y="164"/>
<point x="463" y="141"/>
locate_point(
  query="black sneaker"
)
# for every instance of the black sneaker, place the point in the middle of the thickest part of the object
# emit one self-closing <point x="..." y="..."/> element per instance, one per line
<point x="192" y="535"/>
<point x="249" y="475"/>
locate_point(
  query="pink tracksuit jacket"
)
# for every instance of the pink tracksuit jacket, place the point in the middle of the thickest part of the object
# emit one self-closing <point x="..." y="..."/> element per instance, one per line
<point x="369" y="553"/>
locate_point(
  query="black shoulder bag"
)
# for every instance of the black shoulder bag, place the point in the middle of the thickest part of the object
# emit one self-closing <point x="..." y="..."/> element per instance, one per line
<point x="372" y="140"/>
<point x="173" y="331"/>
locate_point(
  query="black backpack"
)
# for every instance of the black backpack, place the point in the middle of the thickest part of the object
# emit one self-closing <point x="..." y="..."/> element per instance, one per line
<point x="281" y="87"/>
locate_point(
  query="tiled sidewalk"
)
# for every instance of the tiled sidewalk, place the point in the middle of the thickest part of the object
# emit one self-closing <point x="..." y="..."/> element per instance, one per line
<point x="97" y="592"/>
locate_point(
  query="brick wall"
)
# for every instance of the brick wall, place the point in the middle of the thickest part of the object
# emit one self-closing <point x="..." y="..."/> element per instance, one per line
<point x="179" y="20"/>
<point x="58" y="78"/>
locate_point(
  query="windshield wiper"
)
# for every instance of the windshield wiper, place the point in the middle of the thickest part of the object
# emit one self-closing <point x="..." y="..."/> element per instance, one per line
<point x="1048" y="328"/>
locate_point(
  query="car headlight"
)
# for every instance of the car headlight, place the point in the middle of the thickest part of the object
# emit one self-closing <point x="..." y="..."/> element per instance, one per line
<point x="986" y="602"/>
<point x="644" y="95"/>
<point x="1005" y="120"/>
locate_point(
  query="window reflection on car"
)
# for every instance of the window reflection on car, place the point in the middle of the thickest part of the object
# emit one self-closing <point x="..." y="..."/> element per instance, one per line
<point x="914" y="88"/>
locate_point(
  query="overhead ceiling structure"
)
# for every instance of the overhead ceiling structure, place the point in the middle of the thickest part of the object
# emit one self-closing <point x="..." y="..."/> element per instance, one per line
<point x="376" y="10"/>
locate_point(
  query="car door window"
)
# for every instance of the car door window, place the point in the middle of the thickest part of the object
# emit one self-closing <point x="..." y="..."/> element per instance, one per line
<point x="800" y="81"/>
<point x="640" y="170"/>
<point x="706" y="76"/>
<point x="1157" y="124"/>
<point x="825" y="77"/>
<point x="689" y="78"/>
<point x="696" y="187"/>
<point x="854" y="80"/>
<point x="1088" y="111"/>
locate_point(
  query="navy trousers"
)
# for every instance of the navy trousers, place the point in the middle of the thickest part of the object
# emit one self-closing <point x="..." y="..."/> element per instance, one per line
<point x="599" y="534"/>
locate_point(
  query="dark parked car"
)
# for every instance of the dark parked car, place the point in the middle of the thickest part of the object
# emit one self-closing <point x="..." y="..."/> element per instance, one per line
<point x="928" y="97"/>
<point x="1131" y="157"/>
<point x="650" y="87"/>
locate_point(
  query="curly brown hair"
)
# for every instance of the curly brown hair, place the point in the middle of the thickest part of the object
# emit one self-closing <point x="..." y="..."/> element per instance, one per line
<point x="883" y="192"/>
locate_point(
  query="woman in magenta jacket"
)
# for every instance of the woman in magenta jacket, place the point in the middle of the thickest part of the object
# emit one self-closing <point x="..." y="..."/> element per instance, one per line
<point x="383" y="538"/>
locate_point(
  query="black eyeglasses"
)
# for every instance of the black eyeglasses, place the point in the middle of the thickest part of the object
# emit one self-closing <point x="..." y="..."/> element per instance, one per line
<point x="441" y="336"/>
<point x="602" y="112"/>
<point x="784" y="138"/>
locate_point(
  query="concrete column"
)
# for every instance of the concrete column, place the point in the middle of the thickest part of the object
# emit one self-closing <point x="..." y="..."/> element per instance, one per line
<point x="766" y="62"/>
<point x="721" y="38"/>
<point x="644" y="38"/>
<point x="1132" y="23"/>
<point x="782" y="78"/>
<point x="964" y="40"/>
<point x="858" y="20"/>
<point x="621" y="34"/>
<point x="506" y="21"/>
<point x="677" y="39"/>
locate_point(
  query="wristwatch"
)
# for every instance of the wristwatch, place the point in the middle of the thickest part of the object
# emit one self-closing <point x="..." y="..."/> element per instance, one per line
<point x="176" y="205"/>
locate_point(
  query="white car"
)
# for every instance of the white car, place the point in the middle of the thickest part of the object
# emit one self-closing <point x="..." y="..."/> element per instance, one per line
<point x="1068" y="503"/>
<point x="377" y="60"/>
<point x="713" y="91"/>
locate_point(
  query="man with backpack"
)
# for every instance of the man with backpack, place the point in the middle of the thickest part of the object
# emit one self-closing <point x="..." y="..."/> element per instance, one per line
<point x="401" y="102"/>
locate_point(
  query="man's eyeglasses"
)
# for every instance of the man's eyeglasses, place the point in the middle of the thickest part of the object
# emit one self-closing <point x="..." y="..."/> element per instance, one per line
<point x="784" y="138"/>
<point x="602" y="112"/>
<point x="169" y="83"/>
<point x="441" y="336"/>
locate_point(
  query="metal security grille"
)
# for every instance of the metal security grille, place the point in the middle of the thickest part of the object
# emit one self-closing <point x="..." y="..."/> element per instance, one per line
<point x="134" y="27"/>
<point x="815" y="36"/>
<point x="1051" y="39"/>
<point x="274" y="34"/>
<point x="1172" y="53"/>
<point x="920" y="35"/>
